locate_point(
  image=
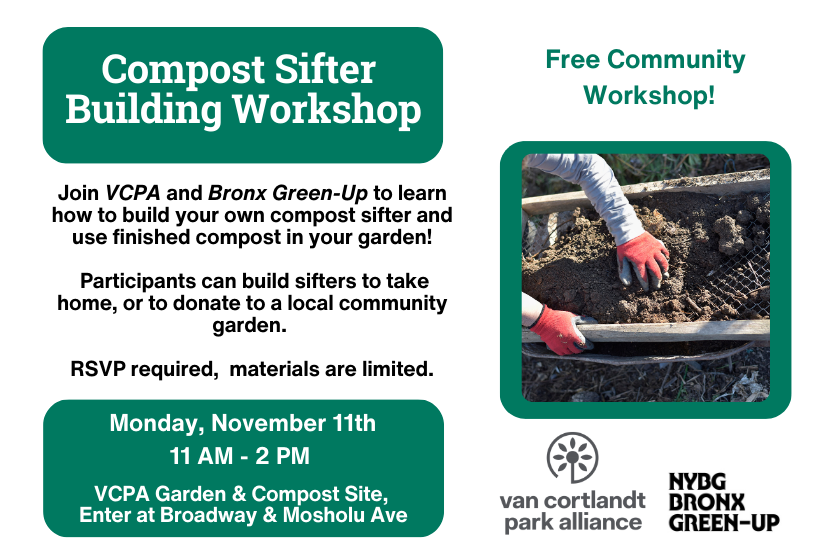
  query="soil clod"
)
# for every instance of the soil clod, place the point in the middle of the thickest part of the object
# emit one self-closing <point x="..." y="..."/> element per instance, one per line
<point x="743" y="217"/>
<point x="763" y="213"/>
<point x="731" y="236"/>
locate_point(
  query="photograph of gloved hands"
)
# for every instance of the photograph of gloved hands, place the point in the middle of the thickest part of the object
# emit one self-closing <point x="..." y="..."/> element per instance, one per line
<point x="637" y="250"/>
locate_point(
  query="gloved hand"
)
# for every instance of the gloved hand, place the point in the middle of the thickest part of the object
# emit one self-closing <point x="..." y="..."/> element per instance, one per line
<point x="648" y="257"/>
<point x="559" y="331"/>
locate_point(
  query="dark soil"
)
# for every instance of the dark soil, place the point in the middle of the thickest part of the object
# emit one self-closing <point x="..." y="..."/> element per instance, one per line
<point x="546" y="380"/>
<point x="580" y="274"/>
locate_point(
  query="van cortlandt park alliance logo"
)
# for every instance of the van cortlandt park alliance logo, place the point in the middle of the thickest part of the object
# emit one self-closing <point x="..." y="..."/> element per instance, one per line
<point x="574" y="455"/>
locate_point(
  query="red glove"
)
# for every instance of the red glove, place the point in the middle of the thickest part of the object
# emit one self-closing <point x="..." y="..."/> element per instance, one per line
<point x="557" y="329"/>
<point x="644" y="253"/>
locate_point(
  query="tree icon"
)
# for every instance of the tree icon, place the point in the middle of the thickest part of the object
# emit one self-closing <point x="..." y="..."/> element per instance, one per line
<point x="572" y="451"/>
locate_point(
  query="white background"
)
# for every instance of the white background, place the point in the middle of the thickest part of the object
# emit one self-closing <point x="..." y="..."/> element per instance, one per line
<point x="497" y="92"/>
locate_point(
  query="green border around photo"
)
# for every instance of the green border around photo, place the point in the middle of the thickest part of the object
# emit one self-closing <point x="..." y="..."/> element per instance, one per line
<point x="510" y="338"/>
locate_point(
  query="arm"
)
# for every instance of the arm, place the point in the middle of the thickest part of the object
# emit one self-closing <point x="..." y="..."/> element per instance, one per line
<point x="600" y="186"/>
<point x="637" y="249"/>
<point x="531" y="310"/>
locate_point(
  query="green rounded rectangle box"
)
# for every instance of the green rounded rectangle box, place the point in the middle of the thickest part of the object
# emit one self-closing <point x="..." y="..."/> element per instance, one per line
<point x="268" y="468"/>
<point x="243" y="95"/>
<point x="511" y="392"/>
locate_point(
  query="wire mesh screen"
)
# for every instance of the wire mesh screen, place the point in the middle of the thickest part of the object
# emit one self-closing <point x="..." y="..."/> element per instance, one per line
<point x="737" y="281"/>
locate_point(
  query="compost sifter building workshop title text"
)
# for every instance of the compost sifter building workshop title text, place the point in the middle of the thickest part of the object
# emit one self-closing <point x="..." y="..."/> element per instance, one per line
<point x="159" y="107"/>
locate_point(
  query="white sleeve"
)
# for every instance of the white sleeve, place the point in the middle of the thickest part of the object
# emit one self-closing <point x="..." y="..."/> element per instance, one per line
<point x="600" y="186"/>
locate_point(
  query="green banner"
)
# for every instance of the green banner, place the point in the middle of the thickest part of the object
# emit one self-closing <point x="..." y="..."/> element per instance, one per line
<point x="174" y="468"/>
<point x="243" y="95"/>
